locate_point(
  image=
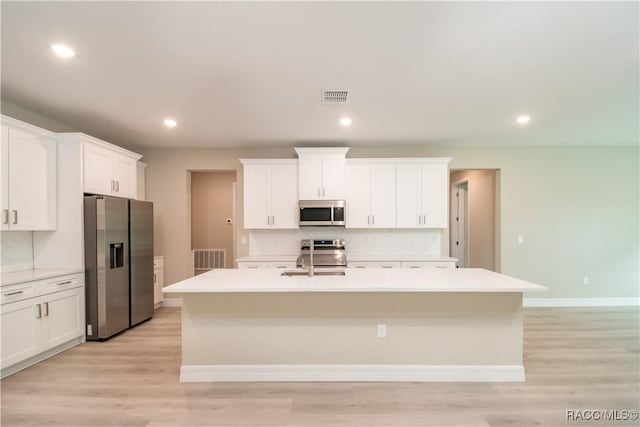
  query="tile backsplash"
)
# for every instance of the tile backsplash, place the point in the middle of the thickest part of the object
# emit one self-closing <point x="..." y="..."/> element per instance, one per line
<point x="17" y="250"/>
<point x="357" y="241"/>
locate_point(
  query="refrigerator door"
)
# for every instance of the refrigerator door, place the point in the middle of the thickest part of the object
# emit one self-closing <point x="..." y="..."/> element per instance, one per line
<point x="107" y="266"/>
<point x="141" y="256"/>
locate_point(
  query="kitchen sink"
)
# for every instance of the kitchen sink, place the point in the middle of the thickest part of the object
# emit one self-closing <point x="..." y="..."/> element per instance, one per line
<point x="315" y="273"/>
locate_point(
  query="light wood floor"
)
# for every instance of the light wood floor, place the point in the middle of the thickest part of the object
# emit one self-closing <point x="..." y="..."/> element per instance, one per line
<point x="574" y="359"/>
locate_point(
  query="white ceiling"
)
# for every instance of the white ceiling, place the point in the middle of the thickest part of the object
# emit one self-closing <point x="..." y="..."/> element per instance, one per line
<point x="251" y="74"/>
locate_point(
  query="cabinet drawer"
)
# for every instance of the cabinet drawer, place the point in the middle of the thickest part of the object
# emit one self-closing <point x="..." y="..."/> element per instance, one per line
<point x="374" y="264"/>
<point x="252" y="264"/>
<point x="158" y="263"/>
<point x="281" y="264"/>
<point x="428" y="264"/>
<point x="19" y="291"/>
<point x="61" y="283"/>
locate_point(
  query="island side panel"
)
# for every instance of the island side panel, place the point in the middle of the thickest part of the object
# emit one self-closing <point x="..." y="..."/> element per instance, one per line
<point x="423" y="328"/>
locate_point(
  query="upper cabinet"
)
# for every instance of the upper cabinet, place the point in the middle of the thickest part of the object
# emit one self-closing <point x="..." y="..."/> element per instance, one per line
<point x="28" y="177"/>
<point x="108" y="169"/>
<point x="321" y="173"/>
<point x="270" y="193"/>
<point x="371" y="193"/>
<point x="422" y="195"/>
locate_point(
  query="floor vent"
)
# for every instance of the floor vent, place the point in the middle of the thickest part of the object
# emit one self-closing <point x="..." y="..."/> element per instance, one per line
<point x="208" y="259"/>
<point x="335" y="96"/>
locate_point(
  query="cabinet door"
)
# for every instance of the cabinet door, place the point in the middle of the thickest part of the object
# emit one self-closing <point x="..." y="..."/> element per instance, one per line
<point x="4" y="185"/>
<point x="62" y="314"/>
<point x="333" y="177"/>
<point x="32" y="181"/>
<point x="284" y="196"/>
<point x="125" y="176"/>
<point x="310" y="177"/>
<point x="20" y="331"/>
<point x="409" y="197"/>
<point x="98" y="170"/>
<point x="434" y="196"/>
<point x="383" y="196"/>
<point x="257" y="189"/>
<point x="358" y="200"/>
<point x="158" y="283"/>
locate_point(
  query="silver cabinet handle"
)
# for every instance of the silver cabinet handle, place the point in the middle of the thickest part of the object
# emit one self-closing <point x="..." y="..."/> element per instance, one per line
<point x="154" y="277"/>
<point x="368" y="219"/>
<point x="323" y="192"/>
<point x="46" y="309"/>
<point x="66" y="282"/>
<point x="319" y="192"/>
<point x="441" y="266"/>
<point x="5" y="216"/>
<point x="273" y="220"/>
<point x="414" y="266"/>
<point x="13" y="293"/>
<point x="39" y="311"/>
<point x="387" y="266"/>
<point x="424" y="219"/>
<point x="373" y="220"/>
<point x="113" y="185"/>
<point x="419" y="219"/>
<point x="15" y="216"/>
<point x="117" y="186"/>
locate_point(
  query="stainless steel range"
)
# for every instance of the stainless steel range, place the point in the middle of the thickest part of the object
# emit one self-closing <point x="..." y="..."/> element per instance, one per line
<point x="323" y="252"/>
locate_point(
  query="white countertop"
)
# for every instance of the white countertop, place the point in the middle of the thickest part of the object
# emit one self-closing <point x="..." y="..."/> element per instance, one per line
<point x="30" y="275"/>
<point x="355" y="280"/>
<point x="353" y="257"/>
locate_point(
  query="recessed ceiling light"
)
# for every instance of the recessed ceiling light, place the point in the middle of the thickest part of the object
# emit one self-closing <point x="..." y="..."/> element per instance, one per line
<point x="345" y="121"/>
<point x="63" y="51"/>
<point x="170" y="123"/>
<point x="523" y="120"/>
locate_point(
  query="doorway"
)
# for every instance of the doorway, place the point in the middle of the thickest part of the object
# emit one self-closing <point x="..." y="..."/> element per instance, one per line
<point x="475" y="218"/>
<point x="213" y="219"/>
<point x="459" y="222"/>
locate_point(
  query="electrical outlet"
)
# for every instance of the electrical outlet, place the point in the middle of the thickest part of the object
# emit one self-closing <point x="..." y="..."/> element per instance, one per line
<point x="520" y="240"/>
<point x="89" y="329"/>
<point x="382" y="330"/>
<point x="586" y="280"/>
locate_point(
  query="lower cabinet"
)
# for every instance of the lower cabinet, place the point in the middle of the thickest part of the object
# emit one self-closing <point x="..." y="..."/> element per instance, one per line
<point x="34" y="325"/>
<point x="158" y="280"/>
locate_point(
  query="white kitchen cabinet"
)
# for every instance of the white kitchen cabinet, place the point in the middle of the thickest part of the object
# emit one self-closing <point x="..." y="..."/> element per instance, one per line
<point x="270" y="193"/>
<point x="158" y="280"/>
<point x="370" y="194"/>
<point x="106" y="171"/>
<point x="28" y="177"/>
<point x="266" y="264"/>
<point x="39" y="316"/>
<point x="422" y="195"/>
<point x="321" y="173"/>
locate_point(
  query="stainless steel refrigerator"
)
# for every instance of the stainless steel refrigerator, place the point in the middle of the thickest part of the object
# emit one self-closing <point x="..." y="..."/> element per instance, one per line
<point x="118" y="264"/>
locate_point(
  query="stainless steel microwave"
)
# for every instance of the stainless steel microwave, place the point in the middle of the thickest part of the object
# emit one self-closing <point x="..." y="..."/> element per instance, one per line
<point x="318" y="213"/>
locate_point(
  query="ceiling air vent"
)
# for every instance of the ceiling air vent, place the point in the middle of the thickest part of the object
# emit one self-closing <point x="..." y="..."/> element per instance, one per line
<point x="334" y="96"/>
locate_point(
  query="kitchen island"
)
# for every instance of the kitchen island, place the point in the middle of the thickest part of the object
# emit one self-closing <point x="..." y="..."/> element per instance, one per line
<point x="368" y="325"/>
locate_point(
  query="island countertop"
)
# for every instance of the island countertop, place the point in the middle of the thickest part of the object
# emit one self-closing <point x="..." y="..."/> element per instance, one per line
<point x="354" y="280"/>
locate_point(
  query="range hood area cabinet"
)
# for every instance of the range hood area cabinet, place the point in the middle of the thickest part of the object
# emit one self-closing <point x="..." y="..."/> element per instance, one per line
<point x="108" y="169"/>
<point x="270" y="193"/>
<point x="28" y="177"/>
<point x="371" y="193"/>
<point x="321" y="173"/>
<point x="422" y="193"/>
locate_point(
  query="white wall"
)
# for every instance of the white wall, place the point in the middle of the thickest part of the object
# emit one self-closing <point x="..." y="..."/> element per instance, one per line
<point x="577" y="208"/>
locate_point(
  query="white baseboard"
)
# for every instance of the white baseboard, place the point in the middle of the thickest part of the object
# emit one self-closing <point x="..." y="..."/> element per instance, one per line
<point x="400" y="373"/>
<point x="580" y="302"/>
<point x="172" y="302"/>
